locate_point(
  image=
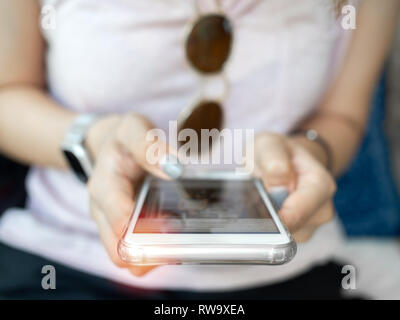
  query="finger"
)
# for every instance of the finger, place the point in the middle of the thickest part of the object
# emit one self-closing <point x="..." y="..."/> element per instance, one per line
<point x="304" y="234"/>
<point x="111" y="186"/>
<point x="322" y="216"/>
<point x="107" y="236"/>
<point x="110" y="242"/>
<point x="119" y="208"/>
<point x="141" y="271"/>
<point x="146" y="144"/>
<point x="273" y="159"/>
<point x="315" y="187"/>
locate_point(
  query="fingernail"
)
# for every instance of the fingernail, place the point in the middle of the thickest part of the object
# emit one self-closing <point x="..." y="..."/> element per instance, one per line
<point x="171" y="166"/>
<point x="278" y="189"/>
<point x="278" y="195"/>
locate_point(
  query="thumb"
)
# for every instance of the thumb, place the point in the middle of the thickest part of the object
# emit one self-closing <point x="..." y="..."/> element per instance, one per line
<point x="148" y="147"/>
<point x="273" y="161"/>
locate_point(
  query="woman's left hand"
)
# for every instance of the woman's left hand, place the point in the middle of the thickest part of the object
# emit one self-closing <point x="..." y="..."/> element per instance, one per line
<point x="285" y="161"/>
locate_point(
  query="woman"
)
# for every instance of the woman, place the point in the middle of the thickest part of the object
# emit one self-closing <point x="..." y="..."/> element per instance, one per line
<point x="125" y="60"/>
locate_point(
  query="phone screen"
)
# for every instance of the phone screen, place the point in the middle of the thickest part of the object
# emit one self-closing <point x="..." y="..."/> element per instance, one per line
<point x="204" y="206"/>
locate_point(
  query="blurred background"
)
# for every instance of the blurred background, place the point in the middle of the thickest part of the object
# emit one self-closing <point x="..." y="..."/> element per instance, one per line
<point x="393" y="105"/>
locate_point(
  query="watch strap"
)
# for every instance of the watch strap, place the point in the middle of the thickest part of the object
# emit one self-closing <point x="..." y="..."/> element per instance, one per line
<point x="74" y="149"/>
<point x="79" y="128"/>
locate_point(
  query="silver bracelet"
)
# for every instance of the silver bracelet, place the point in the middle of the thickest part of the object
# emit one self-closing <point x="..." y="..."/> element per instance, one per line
<point x="314" y="136"/>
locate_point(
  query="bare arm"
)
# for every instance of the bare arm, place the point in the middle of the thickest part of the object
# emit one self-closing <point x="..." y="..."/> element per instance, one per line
<point x="343" y="115"/>
<point x="32" y="125"/>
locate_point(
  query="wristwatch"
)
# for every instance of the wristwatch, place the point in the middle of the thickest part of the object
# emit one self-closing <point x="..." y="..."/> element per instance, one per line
<point x="74" y="149"/>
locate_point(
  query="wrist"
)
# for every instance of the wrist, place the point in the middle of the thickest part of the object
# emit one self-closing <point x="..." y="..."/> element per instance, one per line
<point x="315" y="145"/>
<point x="99" y="132"/>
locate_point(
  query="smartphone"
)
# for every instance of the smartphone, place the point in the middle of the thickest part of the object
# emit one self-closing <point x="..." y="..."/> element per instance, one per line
<point x="206" y="218"/>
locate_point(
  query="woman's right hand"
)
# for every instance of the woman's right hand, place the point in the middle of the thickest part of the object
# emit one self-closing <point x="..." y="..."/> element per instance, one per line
<point x="118" y="145"/>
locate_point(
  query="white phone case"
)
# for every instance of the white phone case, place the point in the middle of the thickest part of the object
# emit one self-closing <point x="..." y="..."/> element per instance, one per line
<point x="214" y="251"/>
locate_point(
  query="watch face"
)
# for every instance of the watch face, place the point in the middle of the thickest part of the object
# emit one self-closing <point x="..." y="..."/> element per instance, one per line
<point x="75" y="166"/>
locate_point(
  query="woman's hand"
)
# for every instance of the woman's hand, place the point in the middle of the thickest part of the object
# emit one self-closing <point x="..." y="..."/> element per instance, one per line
<point x="285" y="161"/>
<point x="118" y="145"/>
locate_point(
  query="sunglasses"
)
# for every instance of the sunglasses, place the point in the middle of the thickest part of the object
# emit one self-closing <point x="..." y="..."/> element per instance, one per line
<point x="207" y="47"/>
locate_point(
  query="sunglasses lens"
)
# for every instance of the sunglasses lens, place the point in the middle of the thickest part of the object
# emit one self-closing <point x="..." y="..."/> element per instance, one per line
<point x="209" y="43"/>
<point x="206" y="115"/>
